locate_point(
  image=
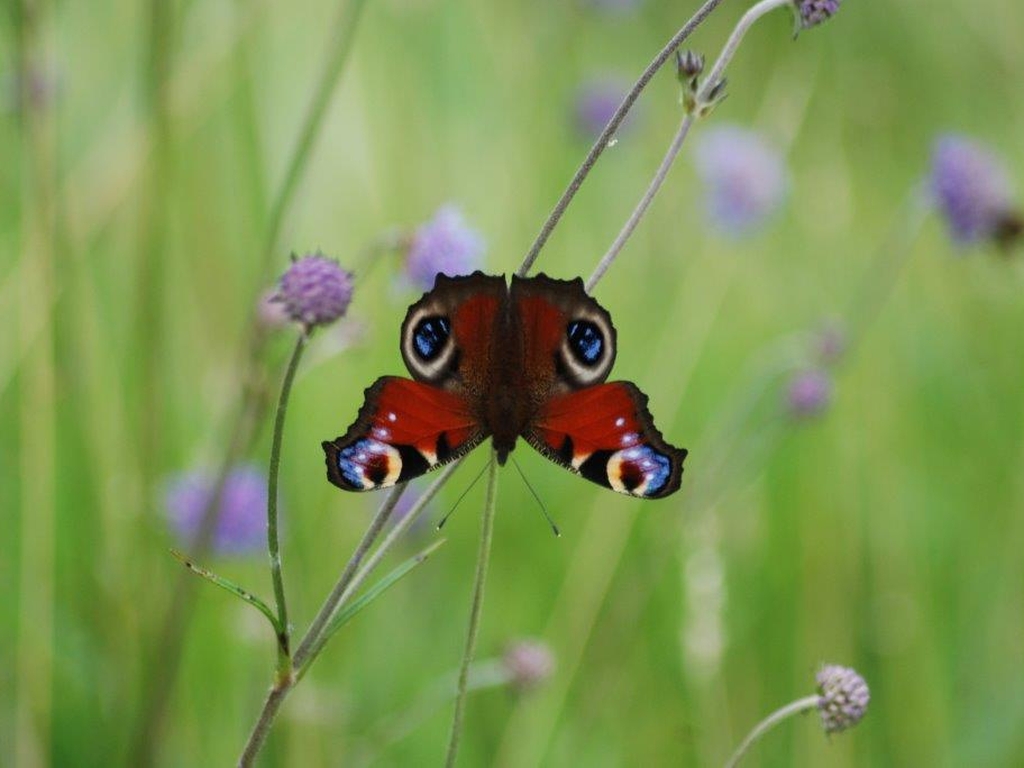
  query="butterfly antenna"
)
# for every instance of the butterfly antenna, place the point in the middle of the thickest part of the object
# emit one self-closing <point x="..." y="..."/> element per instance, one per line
<point x="543" y="509"/>
<point x="458" y="501"/>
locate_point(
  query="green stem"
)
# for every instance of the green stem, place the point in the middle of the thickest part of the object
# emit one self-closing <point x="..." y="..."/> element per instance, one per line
<point x="340" y="46"/>
<point x="482" y="560"/>
<point x="776" y="717"/>
<point x="273" y="543"/>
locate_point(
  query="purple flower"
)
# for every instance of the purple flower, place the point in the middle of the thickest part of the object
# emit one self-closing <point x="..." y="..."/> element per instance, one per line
<point x="242" y="517"/>
<point x="315" y="290"/>
<point x="745" y="178"/>
<point x="814" y="12"/>
<point x="844" y="697"/>
<point x="528" y="663"/>
<point x="596" y="101"/>
<point x="809" y="393"/>
<point x="972" y="191"/>
<point x="444" y="245"/>
<point x="831" y="343"/>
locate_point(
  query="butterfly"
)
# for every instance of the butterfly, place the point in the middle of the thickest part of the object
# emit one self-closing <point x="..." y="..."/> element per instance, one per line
<point x="489" y="359"/>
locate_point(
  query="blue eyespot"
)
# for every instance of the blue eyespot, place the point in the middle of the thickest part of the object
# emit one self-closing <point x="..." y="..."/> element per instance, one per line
<point x="430" y="336"/>
<point x="586" y="341"/>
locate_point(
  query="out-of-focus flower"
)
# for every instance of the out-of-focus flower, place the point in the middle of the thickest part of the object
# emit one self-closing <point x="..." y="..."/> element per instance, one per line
<point x="315" y="290"/>
<point x="242" y="518"/>
<point x="973" y="192"/>
<point x="528" y="663"/>
<point x="811" y="13"/>
<point x="744" y="176"/>
<point x="844" y="697"/>
<point x="809" y="393"/>
<point x="35" y="87"/>
<point x="444" y="245"/>
<point x="831" y="343"/>
<point x="596" y="101"/>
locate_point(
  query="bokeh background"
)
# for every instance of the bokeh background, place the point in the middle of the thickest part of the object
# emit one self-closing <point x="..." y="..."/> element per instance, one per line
<point x="881" y="528"/>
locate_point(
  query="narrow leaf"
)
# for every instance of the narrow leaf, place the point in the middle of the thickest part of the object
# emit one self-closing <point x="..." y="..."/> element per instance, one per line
<point x="230" y="586"/>
<point x="350" y="610"/>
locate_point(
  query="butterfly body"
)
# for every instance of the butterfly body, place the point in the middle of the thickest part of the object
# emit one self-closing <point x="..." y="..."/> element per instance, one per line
<point x="491" y="360"/>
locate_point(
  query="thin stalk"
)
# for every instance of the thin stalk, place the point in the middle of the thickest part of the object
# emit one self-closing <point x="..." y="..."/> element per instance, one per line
<point x="776" y="717"/>
<point x="273" y="540"/>
<point x="340" y="46"/>
<point x="315" y="638"/>
<point x="604" y="139"/>
<point x="703" y="97"/>
<point x="482" y="561"/>
<point x="334" y="599"/>
<point x="645" y="201"/>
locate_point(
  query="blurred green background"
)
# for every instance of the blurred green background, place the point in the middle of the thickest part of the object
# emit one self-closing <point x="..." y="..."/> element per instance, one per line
<point x="885" y="534"/>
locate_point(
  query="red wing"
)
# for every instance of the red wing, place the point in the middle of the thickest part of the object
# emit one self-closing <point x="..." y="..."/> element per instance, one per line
<point x="404" y="429"/>
<point x="606" y="434"/>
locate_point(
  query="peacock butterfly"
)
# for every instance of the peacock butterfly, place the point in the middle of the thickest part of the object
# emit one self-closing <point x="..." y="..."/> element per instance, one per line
<point x="504" y="362"/>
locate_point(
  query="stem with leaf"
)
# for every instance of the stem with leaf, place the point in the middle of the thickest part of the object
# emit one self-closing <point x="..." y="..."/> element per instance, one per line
<point x="482" y="561"/>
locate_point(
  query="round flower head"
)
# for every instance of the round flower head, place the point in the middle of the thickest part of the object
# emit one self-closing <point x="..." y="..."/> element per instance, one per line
<point x="809" y="393"/>
<point x="528" y="663"/>
<point x="241" y="519"/>
<point x="745" y="178"/>
<point x="844" y="697"/>
<point x="444" y="245"/>
<point x="596" y="101"/>
<point x="811" y="13"/>
<point x="315" y="290"/>
<point x="972" y="191"/>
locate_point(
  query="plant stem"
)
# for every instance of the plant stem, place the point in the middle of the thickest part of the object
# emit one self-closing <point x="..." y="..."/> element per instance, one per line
<point x="340" y="46"/>
<point x="273" y="540"/>
<point x="603" y="140"/>
<point x="713" y="79"/>
<point x="334" y="599"/>
<point x="776" y="717"/>
<point x="645" y="201"/>
<point x="482" y="560"/>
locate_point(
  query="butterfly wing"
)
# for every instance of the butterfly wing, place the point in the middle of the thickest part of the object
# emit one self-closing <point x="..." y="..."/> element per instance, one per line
<point x="404" y="429"/>
<point x="606" y="434"/>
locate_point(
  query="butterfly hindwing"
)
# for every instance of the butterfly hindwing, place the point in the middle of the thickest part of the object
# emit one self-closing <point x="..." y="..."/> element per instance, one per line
<point x="404" y="429"/>
<point x="606" y="434"/>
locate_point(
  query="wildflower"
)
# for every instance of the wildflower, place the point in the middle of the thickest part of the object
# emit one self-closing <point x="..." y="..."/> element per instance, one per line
<point x="973" y="192"/>
<point x="242" y="518"/>
<point x="528" y="663"/>
<point x="844" y="697"/>
<point x="811" y="13"/>
<point x="315" y="290"/>
<point x="809" y="393"/>
<point x="596" y="101"/>
<point x="831" y="343"/>
<point x="745" y="178"/>
<point x="444" y="245"/>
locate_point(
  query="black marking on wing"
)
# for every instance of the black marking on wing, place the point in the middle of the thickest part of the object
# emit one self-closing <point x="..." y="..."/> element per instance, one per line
<point x="595" y="468"/>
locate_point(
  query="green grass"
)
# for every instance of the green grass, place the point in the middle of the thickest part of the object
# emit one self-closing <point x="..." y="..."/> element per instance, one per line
<point x="885" y="535"/>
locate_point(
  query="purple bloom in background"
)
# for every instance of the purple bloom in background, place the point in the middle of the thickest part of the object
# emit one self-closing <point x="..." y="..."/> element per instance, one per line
<point x="444" y="245"/>
<point x="528" y="663"/>
<point x="844" y="697"/>
<point x="745" y="178"/>
<point x="315" y="290"/>
<point x="814" y="12"/>
<point x="972" y="191"/>
<point x="809" y="393"/>
<point x="831" y="343"/>
<point x="596" y="101"/>
<point x="242" y="518"/>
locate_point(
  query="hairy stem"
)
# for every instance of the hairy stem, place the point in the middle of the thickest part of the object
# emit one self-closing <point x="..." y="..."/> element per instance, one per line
<point x="482" y="561"/>
<point x="609" y="130"/>
<point x="776" y="717"/>
<point x="273" y="540"/>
